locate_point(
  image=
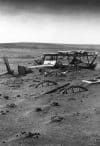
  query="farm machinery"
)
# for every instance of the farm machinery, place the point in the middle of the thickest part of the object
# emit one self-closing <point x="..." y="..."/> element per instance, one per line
<point x="78" y="59"/>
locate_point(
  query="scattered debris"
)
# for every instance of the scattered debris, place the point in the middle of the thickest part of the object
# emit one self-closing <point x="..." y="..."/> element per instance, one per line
<point x="81" y="100"/>
<point x="18" y="95"/>
<point x="32" y="85"/>
<point x="74" y="89"/>
<point x="36" y="81"/>
<point x="69" y="90"/>
<point x="56" y="119"/>
<point x="29" y="135"/>
<point x="93" y="81"/>
<point x="3" y="141"/>
<point x="55" y="73"/>
<point x="48" y="73"/>
<point x="12" y="105"/>
<point x="22" y="70"/>
<point x="71" y="99"/>
<point x="52" y="62"/>
<point x="6" y="97"/>
<point x="77" y="58"/>
<point x="15" y="83"/>
<point x="4" y="112"/>
<point x="32" y="135"/>
<point x="38" y="109"/>
<point x="42" y="71"/>
<point x="47" y="82"/>
<point x="76" y="114"/>
<point x="55" y="104"/>
<point x="97" y="110"/>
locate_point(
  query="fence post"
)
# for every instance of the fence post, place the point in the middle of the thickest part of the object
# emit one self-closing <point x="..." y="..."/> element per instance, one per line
<point x="7" y="65"/>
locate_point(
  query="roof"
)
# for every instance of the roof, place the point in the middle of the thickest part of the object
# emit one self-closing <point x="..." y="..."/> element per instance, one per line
<point x="51" y="54"/>
<point x="78" y="52"/>
<point x="71" y="52"/>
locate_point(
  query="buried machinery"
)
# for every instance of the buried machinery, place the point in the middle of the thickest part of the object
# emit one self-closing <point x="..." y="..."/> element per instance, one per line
<point x="79" y="59"/>
<point x="62" y="59"/>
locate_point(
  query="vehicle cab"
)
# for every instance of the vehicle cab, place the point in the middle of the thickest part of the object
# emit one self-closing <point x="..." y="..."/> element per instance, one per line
<point x="50" y="58"/>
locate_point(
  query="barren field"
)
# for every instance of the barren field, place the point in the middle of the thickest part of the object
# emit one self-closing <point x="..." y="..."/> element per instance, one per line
<point x="29" y="116"/>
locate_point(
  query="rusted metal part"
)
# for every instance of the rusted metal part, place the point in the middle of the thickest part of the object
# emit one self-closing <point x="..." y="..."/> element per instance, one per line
<point x="46" y="82"/>
<point x="23" y="134"/>
<point x="56" y="119"/>
<point x="80" y="58"/>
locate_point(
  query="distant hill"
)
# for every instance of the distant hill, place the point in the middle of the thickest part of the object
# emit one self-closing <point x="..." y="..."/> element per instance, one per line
<point x="28" y="45"/>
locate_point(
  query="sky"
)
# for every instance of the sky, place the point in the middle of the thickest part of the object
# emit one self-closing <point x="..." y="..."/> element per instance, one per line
<point x="50" y="21"/>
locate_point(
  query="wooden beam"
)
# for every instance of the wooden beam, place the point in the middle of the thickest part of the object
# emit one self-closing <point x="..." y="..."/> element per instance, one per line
<point x="7" y="65"/>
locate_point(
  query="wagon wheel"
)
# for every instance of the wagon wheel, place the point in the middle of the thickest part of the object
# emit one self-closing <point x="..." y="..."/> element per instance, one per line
<point x="46" y="83"/>
<point x="61" y="90"/>
<point x="74" y="89"/>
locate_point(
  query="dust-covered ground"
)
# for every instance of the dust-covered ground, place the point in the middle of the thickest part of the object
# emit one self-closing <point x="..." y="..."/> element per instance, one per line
<point x="29" y="117"/>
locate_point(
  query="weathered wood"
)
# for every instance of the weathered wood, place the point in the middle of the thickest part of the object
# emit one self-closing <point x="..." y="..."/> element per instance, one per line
<point x="7" y="65"/>
<point x="22" y="70"/>
<point x="4" y="73"/>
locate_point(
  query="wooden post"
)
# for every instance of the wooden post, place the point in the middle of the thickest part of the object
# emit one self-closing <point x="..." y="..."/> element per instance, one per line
<point x="7" y="65"/>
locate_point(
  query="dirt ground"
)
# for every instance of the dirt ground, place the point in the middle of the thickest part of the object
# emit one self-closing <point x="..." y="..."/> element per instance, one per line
<point x="29" y="117"/>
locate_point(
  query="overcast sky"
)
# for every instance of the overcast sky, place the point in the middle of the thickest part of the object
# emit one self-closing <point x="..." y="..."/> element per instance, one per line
<point x="50" y="21"/>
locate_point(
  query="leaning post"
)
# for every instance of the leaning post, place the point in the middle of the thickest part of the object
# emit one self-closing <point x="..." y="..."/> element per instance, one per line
<point x="7" y="65"/>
